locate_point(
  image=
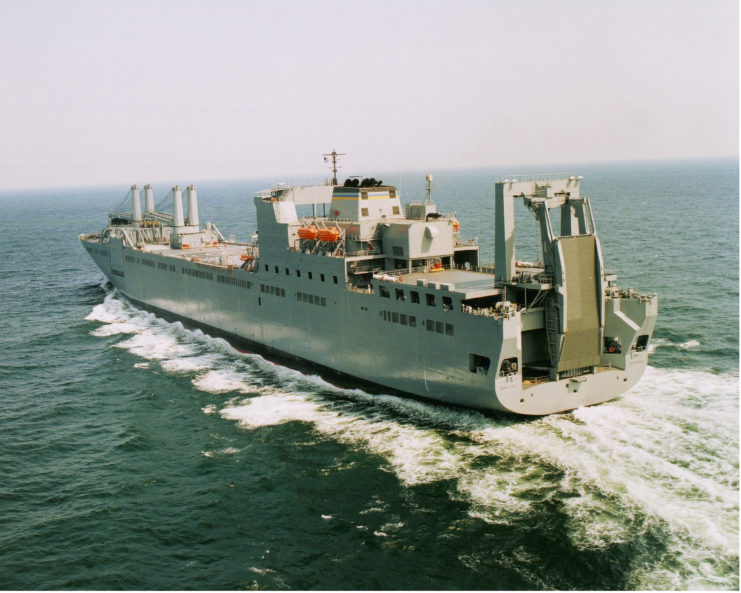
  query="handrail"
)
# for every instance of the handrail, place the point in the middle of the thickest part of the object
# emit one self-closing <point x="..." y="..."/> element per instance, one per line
<point x="362" y="252"/>
<point x="367" y="290"/>
<point x="536" y="177"/>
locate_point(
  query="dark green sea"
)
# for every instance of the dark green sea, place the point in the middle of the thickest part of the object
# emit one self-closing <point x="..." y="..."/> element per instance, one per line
<point x="138" y="454"/>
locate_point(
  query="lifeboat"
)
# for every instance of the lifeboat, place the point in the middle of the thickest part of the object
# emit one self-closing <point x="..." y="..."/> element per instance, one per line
<point x="330" y="235"/>
<point x="307" y="232"/>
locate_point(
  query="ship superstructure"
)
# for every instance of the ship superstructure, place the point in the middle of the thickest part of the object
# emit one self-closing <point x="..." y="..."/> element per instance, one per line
<point x="393" y="296"/>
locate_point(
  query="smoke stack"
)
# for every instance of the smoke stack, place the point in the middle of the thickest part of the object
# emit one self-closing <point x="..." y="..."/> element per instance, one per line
<point x="178" y="207"/>
<point x="148" y="199"/>
<point x="136" y="205"/>
<point x="192" y="206"/>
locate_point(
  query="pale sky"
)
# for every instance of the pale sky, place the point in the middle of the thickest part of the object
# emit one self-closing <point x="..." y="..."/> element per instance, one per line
<point x="107" y="92"/>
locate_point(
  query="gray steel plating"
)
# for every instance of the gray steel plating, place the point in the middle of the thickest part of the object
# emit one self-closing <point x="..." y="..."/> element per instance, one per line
<point x="397" y="298"/>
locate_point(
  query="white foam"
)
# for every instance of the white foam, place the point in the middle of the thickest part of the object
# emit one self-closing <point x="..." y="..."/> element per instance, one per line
<point x="154" y="346"/>
<point x="222" y="381"/>
<point x="189" y="364"/>
<point x="417" y="455"/>
<point x="115" y="328"/>
<point x="106" y="312"/>
<point x="689" y="345"/>
<point x="270" y="410"/>
<point x="657" y="343"/>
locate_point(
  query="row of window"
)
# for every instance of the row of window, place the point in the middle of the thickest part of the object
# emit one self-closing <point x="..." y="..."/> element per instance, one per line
<point x="234" y="281"/>
<point x="439" y="327"/>
<point x="310" y="275"/>
<point x="197" y="273"/>
<point x="411" y="321"/>
<point x="191" y="272"/>
<point x="385" y="292"/>
<point x="149" y="263"/>
<point x="401" y="318"/>
<point x="311" y="299"/>
<point x="276" y="290"/>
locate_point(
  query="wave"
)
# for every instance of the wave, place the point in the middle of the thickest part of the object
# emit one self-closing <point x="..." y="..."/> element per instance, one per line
<point x="689" y="345"/>
<point x="657" y="343"/>
<point x="663" y="459"/>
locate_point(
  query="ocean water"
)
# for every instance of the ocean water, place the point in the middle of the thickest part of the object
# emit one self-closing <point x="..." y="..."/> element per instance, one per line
<point x="139" y="454"/>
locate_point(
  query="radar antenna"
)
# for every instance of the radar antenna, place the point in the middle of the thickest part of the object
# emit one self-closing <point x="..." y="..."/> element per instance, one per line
<point x="334" y="154"/>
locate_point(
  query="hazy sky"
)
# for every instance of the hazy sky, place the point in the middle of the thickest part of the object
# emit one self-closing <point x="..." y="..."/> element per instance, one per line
<point x="99" y="92"/>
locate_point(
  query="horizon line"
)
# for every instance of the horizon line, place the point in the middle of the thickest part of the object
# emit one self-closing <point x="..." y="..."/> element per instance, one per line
<point x="623" y="161"/>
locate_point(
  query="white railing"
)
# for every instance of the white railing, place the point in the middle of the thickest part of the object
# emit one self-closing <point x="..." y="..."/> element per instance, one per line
<point x="536" y="177"/>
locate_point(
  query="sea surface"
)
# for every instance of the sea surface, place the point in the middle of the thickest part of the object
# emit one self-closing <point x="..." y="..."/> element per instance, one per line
<point x="138" y="454"/>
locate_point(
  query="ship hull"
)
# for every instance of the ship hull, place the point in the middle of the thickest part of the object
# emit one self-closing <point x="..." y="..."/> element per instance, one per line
<point x="351" y="335"/>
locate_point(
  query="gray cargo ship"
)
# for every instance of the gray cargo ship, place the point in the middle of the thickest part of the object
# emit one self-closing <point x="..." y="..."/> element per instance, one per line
<point x="392" y="296"/>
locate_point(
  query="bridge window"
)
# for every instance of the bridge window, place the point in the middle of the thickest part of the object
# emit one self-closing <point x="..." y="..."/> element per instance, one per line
<point x="430" y="299"/>
<point x="414" y="296"/>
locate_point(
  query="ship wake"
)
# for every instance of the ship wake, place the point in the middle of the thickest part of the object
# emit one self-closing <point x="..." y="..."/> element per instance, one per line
<point x="659" y="464"/>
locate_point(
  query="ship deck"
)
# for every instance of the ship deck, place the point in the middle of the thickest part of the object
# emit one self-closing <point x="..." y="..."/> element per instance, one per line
<point x="467" y="281"/>
<point x="225" y="255"/>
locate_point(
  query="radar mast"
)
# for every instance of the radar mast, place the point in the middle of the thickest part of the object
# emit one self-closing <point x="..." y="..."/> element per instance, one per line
<point x="334" y="154"/>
